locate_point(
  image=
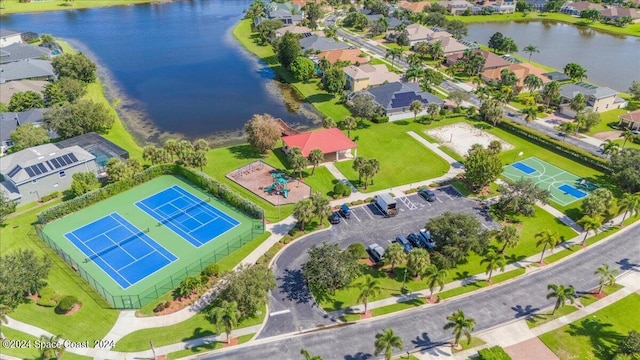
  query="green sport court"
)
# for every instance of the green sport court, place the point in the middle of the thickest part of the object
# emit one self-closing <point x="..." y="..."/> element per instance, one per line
<point x="565" y="187"/>
<point x="141" y="243"/>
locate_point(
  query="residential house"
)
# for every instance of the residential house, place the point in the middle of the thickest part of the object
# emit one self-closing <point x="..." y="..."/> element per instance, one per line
<point x="19" y="51"/>
<point x="522" y="70"/>
<point x="631" y="120"/>
<point x="35" y="172"/>
<point x="9" y="122"/>
<point x="418" y="33"/>
<point x="316" y="43"/>
<point x="456" y="7"/>
<point x="395" y="99"/>
<point x="97" y="146"/>
<point x="373" y="18"/>
<point x="537" y="5"/>
<point x="614" y="13"/>
<point x="415" y="7"/>
<point x="352" y="56"/>
<point x="491" y="60"/>
<point x="333" y="143"/>
<point x="501" y="7"/>
<point x="8" y="37"/>
<point x="599" y="99"/>
<point x="393" y="23"/>
<point x="363" y="76"/>
<point x="450" y="45"/>
<point x="301" y="31"/>
<point x="288" y="13"/>
<point x="576" y="8"/>
<point x="26" y="69"/>
<point x="557" y="76"/>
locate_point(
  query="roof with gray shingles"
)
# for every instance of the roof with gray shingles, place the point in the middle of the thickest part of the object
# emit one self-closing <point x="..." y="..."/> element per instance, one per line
<point x="570" y="91"/>
<point x="387" y="95"/>
<point x="319" y="43"/>
<point x="26" y="69"/>
<point x="17" y="52"/>
<point x="8" y="32"/>
<point x="9" y="121"/>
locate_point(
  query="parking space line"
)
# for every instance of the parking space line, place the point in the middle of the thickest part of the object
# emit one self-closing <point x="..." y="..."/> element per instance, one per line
<point x="441" y="200"/>
<point x="367" y="212"/>
<point x="408" y="203"/>
<point x="449" y="196"/>
<point x="485" y="226"/>
<point x="354" y="214"/>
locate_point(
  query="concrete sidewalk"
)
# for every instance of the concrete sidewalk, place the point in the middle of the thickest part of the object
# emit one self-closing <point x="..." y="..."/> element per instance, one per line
<point x="340" y="176"/>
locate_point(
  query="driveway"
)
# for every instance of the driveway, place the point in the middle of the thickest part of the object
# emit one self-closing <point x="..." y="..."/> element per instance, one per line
<point x="421" y="328"/>
<point x="291" y="306"/>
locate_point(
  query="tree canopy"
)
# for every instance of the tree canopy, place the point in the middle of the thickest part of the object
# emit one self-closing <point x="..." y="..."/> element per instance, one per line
<point x="625" y="169"/>
<point x="248" y="286"/>
<point x="334" y="80"/>
<point x="76" y="66"/>
<point x="303" y="68"/>
<point x="83" y="183"/>
<point x="22" y="273"/>
<point x="362" y="106"/>
<point x="519" y="198"/>
<point x="329" y="269"/>
<point x="28" y="135"/>
<point x="455" y="234"/>
<point x="481" y="167"/>
<point x="22" y="101"/>
<point x="287" y="49"/>
<point x="77" y="118"/>
<point x="262" y="132"/>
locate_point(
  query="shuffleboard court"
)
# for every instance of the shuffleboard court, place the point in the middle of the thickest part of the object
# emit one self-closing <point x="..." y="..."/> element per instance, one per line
<point x="565" y="187"/>
<point x="120" y="249"/>
<point x="195" y="220"/>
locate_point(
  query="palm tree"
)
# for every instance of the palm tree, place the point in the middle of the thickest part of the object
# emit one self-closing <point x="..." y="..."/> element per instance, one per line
<point x="321" y="208"/>
<point x="508" y="236"/>
<point x="561" y="294"/>
<point x="374" y="168"/>
<point x="609" y="147"/>
<point x="607" y="276"/>
<point x="530" y="114"/>
<point x="315" y="158"/>
<point x="434" y="277"/>
<point x="460" y="325"/>
<point x="303" y="211"/>
<point x="590" y="223"/>
<point x="393" y="53"/>
<point x="386" y="341"/>
<point x="630" y="204"/>
<point x="627" y="134"/>
<point x="226" y="316"/>
<point x="349" y="123"/>
<point x="546" y="238"/>
<point x="414" y="60"/>
<point x="435" y="50"/>
<point x="532" y="82"/>
<point x="531" y="49"/>
<point x="51" y="347"/>
<point x="171" y="147"/>
<point x="395" y="255"/>
<point x="494" y="261"/>
<point x="578" y="103"/>
<point x="418" y="261"/>
<point x="413" y="73"/>
<point x="369" y="287"/>
<point x="416" y="107"/>
<point x="308" y="356"/>
<point x="550" y="92"/>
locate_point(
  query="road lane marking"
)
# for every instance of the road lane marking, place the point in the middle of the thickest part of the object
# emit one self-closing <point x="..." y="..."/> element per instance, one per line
<point x="280" y="312"/>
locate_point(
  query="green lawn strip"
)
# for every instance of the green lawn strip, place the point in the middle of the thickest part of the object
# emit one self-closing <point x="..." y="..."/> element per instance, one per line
<point x="475" y="342"/>
<point x="403" y="160"/>
<point x="589" y="299"/>
<point x="546" y="316"/>
<point x="228" y="263"/>
<point x="92" y="321"/>
<point x="398" y="307"/>
<point x="28" y="347"/>
<point x="595" y="336"/>
<point x="350" y="317"/>
<point x="15" y="6"/>
<point x="496" y="279"/>
<point x="377" y="61"/>
<point x="195" y="327"/>
<point x="461" y="187"/>
<point x="608" y="119"/>
<point x="449" y="151"/>
<point x="208" y="347"/>
<point x="326" y="103"/>
<point x="633" y="29"/>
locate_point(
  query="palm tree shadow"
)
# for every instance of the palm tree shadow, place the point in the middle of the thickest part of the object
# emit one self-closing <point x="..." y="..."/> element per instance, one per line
<point x="358" y="356"/>
<point x="626" y="265"/>
<point x="422" y="341"/>
<point x="601" y="337"/>
<point x="526" y="311"/>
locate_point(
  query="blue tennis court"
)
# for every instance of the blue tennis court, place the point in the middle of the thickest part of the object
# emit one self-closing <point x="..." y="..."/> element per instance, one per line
<point x="194" y="219"/>
<point x="120" y="249"/>
<point x="568" y="189"/>
<point x="524" y="168"/>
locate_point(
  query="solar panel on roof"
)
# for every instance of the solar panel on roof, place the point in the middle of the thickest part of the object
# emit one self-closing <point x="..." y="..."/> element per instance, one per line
<point x="55" y="163"/>
<point x="73" y="157"/>
<point x="15" y="170"/>
<point x="404" y="99"/>
<point x="42" y="167"/>
<point x="67" y="159"/>
<point x="49" y="165"/>
<point x="36" y="169"/>
<point x="30" y="172"/>
<point x="61" y="161"/>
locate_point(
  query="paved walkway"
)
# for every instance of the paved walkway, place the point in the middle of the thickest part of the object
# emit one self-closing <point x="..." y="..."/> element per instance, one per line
<point x="340" y="176"/>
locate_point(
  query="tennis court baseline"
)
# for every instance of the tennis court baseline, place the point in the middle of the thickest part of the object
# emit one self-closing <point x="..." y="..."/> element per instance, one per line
<point x="192" y="218"/>
<point x="120" y="249"/>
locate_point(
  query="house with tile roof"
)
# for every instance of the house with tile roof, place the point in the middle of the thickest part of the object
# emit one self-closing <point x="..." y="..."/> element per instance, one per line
<point x="599" y="99"/>
<point x="395" y="99"/>
<point x="576" y="8"/>
<point x="491" y="60"/>
<point x="302" y="31"/>
<point x="456" y="7"/>
<point x="415" y="7"/>
<point x="522" y="70"/>
<point x="630" y="120"/>
<point x="352" y="56"/>
<point x="288" y="13"/>
<point x="38" y="171"/>
<point x="364" y="76"/>
<point x="333" y="143"/>
<point x="615" y="13"/>
<point x="316" y="44"/>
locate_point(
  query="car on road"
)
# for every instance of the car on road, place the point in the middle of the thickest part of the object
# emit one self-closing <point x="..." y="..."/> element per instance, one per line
<point x="427" y="194"/>
<point x="376" y="253"/>
<point x="345" y="211"/>
<point x="415" y="240"/>
<point x="404" y="242"/>
<point x="334" y="218"/>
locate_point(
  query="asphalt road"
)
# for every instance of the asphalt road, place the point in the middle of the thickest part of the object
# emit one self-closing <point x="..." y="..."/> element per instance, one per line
<point x="421" y="328"/>
<point x="290" y="304"/>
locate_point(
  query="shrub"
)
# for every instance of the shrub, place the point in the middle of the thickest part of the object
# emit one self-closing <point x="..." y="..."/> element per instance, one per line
<point x="48" y="298"/>
<point x="211" y="270"/>
<point x="347" y="191"/>
<point x="51" y="196"/>
<point x="66" y="304"/>
<point x="358" y="251"/>
<point x="338" y="190"/>
<point x="381" y="119"/>
<point x="493" y="353"/>
<point x="161" y="306"/>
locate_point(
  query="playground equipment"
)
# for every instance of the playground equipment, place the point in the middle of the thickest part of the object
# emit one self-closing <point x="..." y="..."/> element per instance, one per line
<point x="248" y="169"/>
<point x="278" y="186"/>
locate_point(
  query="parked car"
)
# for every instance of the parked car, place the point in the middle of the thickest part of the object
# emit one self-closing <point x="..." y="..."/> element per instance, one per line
<point x="427" y="194"/>
<point x="345" y="211"/>
<point x="404" y="242"/>
<point x="376" y="253"/>
<point x="425" y="236"/>
<point x="416" y="240"/>
<point x="334" y="218"/>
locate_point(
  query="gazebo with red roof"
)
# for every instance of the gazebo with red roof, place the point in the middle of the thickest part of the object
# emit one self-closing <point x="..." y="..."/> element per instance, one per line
<point x="334" y="144"/>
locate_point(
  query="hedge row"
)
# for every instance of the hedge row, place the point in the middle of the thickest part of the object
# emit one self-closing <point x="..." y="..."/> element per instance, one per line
<point x="569" y="150"/>
<point x="493" y="353"/>
<point x="103" y="193"/>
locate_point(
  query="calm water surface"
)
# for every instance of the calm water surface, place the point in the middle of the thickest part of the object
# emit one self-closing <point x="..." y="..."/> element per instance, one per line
<point x="176" y="66"/>
<point x="610" y="60"/>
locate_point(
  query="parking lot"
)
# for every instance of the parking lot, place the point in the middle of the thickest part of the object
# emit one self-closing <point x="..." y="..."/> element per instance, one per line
<point x="292" y="308"/>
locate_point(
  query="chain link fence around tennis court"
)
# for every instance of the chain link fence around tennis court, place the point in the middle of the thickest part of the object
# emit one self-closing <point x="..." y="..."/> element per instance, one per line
<point x="146" y="296"/>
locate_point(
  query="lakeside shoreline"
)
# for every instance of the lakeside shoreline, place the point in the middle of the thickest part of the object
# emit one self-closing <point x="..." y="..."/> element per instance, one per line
<point x="14" y="7"/>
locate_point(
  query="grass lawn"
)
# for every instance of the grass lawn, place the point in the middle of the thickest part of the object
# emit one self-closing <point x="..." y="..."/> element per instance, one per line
<point x="397" y="153"/>
<point x="310" y="91"/>
<point x="608" y="119"/>
<point x="14" y="6"/>
<point x="208" y="347"/>
<point x="195" y="327"/>
<point x="30" y="353"/>
<point x="398" y="307"/>
<point x="546" y="316"/>
<point x="475" y="342"/>
<point x="590" y="299"/>
<point x="495" y="279"/>
<point x="596" y="336"/>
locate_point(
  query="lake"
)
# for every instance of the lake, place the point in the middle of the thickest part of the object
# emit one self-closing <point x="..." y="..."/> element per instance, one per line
<point x="610" y="60"/>
<point x="176" y="67"/>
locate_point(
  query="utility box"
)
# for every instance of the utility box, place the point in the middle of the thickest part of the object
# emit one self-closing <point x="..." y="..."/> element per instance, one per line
<point x="387" y="204"/>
